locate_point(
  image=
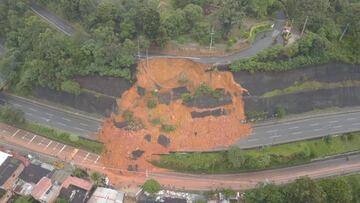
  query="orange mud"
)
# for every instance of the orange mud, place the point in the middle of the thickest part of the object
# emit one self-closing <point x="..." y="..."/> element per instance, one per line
<point x="191" y="134"/>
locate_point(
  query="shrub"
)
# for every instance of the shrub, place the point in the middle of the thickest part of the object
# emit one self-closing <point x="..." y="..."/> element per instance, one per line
<point x="11" y="115"/>
<point x="280" y="112"/>
<point x="80" y="173"/>
<point x="151" y="186"/>
<point x="186" y="97"/>
<point x="327" y="139"/>
<point x="71" y="87"/>
<point x="167" y="128"/>
<point x="156" y="121"/>
<point x="128" y="115"/>
<point x="152" y="103"/>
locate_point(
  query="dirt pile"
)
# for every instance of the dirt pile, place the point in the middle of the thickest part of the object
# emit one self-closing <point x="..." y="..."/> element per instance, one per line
<point x="176" y="105"/>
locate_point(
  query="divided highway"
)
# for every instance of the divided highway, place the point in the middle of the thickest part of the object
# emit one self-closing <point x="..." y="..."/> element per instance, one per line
<point x="60" y="118"/>
<point x="316" y="126"/>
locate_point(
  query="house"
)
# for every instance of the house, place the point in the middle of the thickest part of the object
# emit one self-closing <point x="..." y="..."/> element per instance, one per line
<point x="44" y="191"/>
<point x="10" y="168"/>
<point x="31" y="176"/>
<point x="75" y="190"/>
<point x="106" y="195"/>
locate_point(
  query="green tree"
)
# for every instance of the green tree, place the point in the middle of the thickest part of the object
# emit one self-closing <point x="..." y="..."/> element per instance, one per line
<point x="265" y="193"/>
<point x="304" y="190"/>
<point x="337" y="190"/>
<point x="193" y="14"/>
<point x="25" y="199"/>
<point x="236" y="157"/>
<point x="11" y="115"/>
<point x="230" y="14"/>
<point x="151" y="19"/>
<point x="96" y="178"/>
<point x="151" y="186"/>
<point x="80" y="173"/>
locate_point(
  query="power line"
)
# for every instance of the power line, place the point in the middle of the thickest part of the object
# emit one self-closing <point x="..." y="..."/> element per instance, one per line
<point x="343" y="33"/>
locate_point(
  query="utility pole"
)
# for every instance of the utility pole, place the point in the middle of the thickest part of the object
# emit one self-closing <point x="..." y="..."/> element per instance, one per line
<point x="147" y="59"/>
<point x="343" y="33"/>
<point x="211" y="37"/>
<point x="138" y="47"/>
<point x="303" y="30"/>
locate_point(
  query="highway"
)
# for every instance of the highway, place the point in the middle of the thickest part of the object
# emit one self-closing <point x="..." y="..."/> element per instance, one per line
<point x="56" y="117"/>
<point x="52" y="19"/>
<point x="316" y="126"/>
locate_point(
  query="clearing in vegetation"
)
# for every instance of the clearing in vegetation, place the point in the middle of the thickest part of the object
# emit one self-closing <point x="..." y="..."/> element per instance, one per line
<point x="200" y="121"/>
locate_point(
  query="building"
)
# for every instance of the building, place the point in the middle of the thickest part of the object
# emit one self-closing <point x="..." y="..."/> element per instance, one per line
<point x="106" y="195"/>
<point x="44" y="191"/>
<point x="29" y="177"/>
<point x="10" y="168"/>
<point x="75" y="190"/>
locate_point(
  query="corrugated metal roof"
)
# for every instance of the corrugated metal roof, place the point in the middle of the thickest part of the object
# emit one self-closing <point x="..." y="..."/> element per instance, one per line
<point x="106" y="195"/>
<point x="81" y="183"/>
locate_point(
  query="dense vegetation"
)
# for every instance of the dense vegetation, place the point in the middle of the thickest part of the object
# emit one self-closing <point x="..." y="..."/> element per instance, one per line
<point x="16" y="117"/>
<point x="235" y="159"/>
<point x="332" y="35"/>
<point x="344" y="189"/>
<point x="37" y="55"/>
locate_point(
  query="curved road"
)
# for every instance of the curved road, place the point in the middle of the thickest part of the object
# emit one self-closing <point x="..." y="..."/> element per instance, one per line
<point x="263" y="41"/>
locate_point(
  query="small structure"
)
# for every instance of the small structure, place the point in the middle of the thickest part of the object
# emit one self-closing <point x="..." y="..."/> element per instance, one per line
<point x="30" y="176"/>
<point x="106" y="195"/>
<point x="10" y="168"/>
<point x="75" y="190"/>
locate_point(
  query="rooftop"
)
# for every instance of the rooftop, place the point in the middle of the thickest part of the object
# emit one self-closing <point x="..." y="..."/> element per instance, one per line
<point x="3" y="157"/>
<point x="41" y="188"/>
<point x="34" y="173"/>
<point x="73" y="194"/>
<point x="80" y="183"/>
<point x="7" y="168"/>
<point x="106" y="195"/>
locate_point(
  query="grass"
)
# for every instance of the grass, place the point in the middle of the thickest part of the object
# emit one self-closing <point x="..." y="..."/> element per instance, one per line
<point x="254" y="30"/>
<point x="167" y="128"/>
<point x="261" y="158"/>
<point x="309" y="86"/>
<point x="64" y="137"/>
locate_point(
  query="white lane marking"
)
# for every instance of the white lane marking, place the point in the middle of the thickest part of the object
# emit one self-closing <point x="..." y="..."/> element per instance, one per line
<point x="292" y="128"/>
<point x="338" y="126"/>
<point x="271" y="131"/>
<point x="31" y="109"/>
<point x="83" y="124"/>
<point x="32" y="139"/>
<point x="18" y="105"/>
<point x="48" y="144"/>
<point x="45" y="119"/>
<point x="15" y="133"/>
<point x="351" y="119"/>
<point x="61" y="150"/>
<point x="314" y="124"/>
<point x="86" y="156"/>
<point x="333" y="121"/>
<point x="76" y="128"/>
<point x="66" y="119"/>
<point x="61" y="123"/>
<point x="49" y="114"/>
<point x="251" y="140"/>
<point x="296" y="133"/>
<point x="97" y="159"/>
<point x="355" y="124"/>
<point x="319" y="129"/>
<point x="275" y="136"/>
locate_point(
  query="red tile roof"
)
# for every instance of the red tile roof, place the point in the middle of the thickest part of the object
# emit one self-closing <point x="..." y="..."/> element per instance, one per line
<point x="80" y="183"/>
<point x="41" y="187"/>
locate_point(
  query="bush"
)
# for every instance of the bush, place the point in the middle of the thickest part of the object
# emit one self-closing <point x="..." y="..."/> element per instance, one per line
<point x="11" y="115"/>
<point x="152" y="103"/>
<point x="167" y="128"/>
<point x="128" y="115"/>
<point x="280" y="112"/>
<point x="156" y="121"/>
<point x="71" y="87"/>
<point x="151" y="186"/>
<point x="186" y="97"/>
<point x="80" y="173"/>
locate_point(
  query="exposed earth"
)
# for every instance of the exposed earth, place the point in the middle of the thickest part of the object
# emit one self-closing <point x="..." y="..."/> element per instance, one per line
<point x="175" y="105"/>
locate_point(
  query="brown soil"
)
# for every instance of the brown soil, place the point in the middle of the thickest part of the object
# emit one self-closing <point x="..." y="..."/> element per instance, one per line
<point x="191" y="134"/>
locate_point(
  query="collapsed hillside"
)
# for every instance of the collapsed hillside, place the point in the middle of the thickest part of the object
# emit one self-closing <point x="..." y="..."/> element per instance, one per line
<point x="175" y="105"/>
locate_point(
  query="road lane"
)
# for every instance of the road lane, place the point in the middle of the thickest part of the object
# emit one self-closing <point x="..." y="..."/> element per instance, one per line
<point x="301" y="129"/>
<point x="55" y="117"/>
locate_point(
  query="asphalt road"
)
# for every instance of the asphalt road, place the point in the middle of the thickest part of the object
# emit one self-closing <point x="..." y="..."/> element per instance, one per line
<point x="56" y="117"/>
<point x="302" y="129"/>
<point x="319" y="169"/>
<point x="263" y="41"/>
<point x="1" y="46"/>
<point x="55" y="21"/>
